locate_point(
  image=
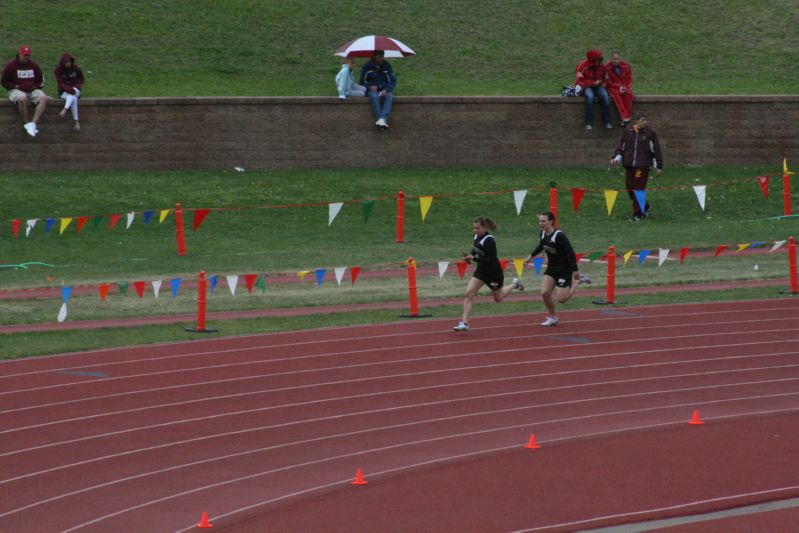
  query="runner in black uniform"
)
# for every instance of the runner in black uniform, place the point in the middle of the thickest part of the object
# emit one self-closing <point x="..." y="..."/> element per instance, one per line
<point x="488" y="272"/>
<point x="561" y="266"/>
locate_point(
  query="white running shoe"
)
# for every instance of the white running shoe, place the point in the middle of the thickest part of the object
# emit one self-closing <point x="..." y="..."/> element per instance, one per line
<point x="30" y="127"/>
<point x="462" y="326"/>
<point x="517" y="284"/>
<point x="550" y="321"/>
<point x="381" y="122"/>
<point x="584" y="279"/>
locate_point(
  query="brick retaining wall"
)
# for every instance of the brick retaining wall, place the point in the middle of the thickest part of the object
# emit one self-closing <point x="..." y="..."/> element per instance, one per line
<point x="428" y="131"/>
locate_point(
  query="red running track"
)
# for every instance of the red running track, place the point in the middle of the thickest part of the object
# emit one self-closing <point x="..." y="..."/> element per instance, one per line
<point x="266" y="432"/>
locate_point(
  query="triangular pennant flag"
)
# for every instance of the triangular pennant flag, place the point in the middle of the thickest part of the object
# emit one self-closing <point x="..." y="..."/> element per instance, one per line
<point x="594" y="256"/>
<point x="249" y="279"/>
<point x="640" y="197"/>
<point x="518" y="264"/>
<point x="232" y="281"/>
<point x="683" y="253"/>
<point x="663" y="254"/>
<point x="320" y="276"/>
<point x="123" y="288"/>
<point x="29" y="225"/>
<point x="212" y="284"/>
<point x="130" y="217"/>
<point x="147" y="216"/>
<point x="785" y="166"/>
<point x="538" y="262"/>
<point x="518" y="199"/>
<point x="162" y="215"/>
<point x="49" y="224"/>
<point x="424" y="204"/>
<point x="577" y="197"/>
<point x="757" y="244"/>
<point x="763" y="182"/>
<point x="113" y="220"/>
<point x="104" y="291"/>
<point x="302" y="273"/>
<point x="720" y="249"/>
<point x="577" y="257"/>
<point x="461" y="268"/>
<point x="442" y="268"/>
<point x="503" y="264"/>
<point x="742" y="247"/>
<point x="354" y="271"/>
<point x="610" y="199"/>
<point x="157" y="287"/>
<point x="700" y="195"/>
<point x="627" y="255"/>
<point x="261" y="283"/>
<point x="96" y="220"/>
<point x="174" y="284"/>
<point x="82" y="223"/>
<point x="777" y="245"/>
<point x="15" y="224"/>
<point x="642" y="255"/>
<point x="64" y="223"/>
<point x="367" y="207"/>
<point x="332" y="211"/>
<point x="139" y="286"/>
<point x="66" y="292"/>
<point x="339" y="272"/>
<point x="62" y="313"/>
<point x="199" y="216"/>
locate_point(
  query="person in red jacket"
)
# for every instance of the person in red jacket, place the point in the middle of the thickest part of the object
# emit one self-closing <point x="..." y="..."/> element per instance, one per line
<point x="24" y="80"/>
<point x="69" y="77"/>
<point x="619" y="83"/>
<point x="590" y="80"/>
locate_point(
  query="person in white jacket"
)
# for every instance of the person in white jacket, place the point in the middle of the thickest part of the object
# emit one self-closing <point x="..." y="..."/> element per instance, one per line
<point x="346" y="83"/>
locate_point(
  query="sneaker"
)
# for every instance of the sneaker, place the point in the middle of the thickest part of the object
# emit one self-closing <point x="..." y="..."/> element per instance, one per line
<point x="634" y="218"/>
<point x="381" y="122"/>
<point x="462" y="326"/>
<point x="608" y="126"/>
<point x="589" y="127"/>
<point x="550" y="321"/>
<point x="76" y="127"/>
<point x="30" y="127"/>
<point x="584" y="279"/>
<point x="517" y="284"/>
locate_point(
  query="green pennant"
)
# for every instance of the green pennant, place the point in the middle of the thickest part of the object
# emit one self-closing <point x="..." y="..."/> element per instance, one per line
<point x="368" y="205"/>
<point x="261" y="283"/>
<point x="96" y="221"/>
<point x="123" y="288"/>
<point x="594" y="256"/>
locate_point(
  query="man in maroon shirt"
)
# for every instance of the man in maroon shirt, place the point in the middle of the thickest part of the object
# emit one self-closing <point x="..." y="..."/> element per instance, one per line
<point x="637" y="151"/>
<point x="23" y="79"/>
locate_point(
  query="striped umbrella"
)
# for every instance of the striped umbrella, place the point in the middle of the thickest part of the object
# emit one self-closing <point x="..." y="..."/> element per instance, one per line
<point x="365" y="47"/>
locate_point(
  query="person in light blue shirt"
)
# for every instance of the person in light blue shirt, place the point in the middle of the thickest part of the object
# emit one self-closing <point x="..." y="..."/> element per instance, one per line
<point x="346" y="83"/>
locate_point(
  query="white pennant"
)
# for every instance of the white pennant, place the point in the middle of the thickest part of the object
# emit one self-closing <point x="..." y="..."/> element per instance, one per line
<point x="776" y="245"/>
<point x="62" y="314"/>
<point x="339" y="271"/>
<point x="332" y="211"/>
<point x="442" y="267"/>
<point x="232" y="281"/>
<point x="700" y="195"/>
<point x="29" y="226"/>
<point x="518" y="197"/>
<point x="157" y="287"/>
<point x="130" y="219"/>
<point x="663" y="254"/>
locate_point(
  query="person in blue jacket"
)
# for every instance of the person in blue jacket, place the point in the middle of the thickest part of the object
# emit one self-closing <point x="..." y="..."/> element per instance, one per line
<point x="345" y="83"/>
<point x="379" y="79"/>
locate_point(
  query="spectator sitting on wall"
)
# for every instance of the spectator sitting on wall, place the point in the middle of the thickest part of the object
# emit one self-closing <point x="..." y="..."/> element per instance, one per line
<point x="24" y="80"/>
<point x="619" y="83"/>
<point x="69" y="77"/>
<point x="589" y="80"/>
<point x="345" y="83"/>
<point x="379" y="79"/>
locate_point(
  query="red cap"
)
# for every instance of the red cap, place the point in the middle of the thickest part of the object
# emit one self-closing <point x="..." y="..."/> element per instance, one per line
<point x="24" y="50"/>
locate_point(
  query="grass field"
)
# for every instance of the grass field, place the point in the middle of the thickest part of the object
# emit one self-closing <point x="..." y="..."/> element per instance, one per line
<point x="270" y="47"/>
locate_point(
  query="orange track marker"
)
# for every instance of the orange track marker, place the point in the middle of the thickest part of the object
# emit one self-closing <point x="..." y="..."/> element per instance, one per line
<point x="204" y="523"/>
<point x="695" y="420"/>
<point x="532" y="444"/>
<point x="359" y="480"/>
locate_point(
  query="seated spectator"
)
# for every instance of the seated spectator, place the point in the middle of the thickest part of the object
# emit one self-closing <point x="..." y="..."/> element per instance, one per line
<point x="69" y="77"/>
<point x="619" y="84"/>
<point x="589" y="80"/>
<point x="379" y="79"/>
<point x="346" y="83"/>
<point x="23" y="79"/>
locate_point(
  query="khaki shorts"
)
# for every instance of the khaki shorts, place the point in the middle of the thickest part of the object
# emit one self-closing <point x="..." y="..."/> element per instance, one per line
<point x="15" y="94"/>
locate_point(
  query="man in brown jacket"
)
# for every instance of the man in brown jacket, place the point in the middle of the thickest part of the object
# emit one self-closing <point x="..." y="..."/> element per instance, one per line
<point x="637" y="151"/>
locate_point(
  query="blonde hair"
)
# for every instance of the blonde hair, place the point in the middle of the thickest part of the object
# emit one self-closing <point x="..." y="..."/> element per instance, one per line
<point x="486" y="223"/>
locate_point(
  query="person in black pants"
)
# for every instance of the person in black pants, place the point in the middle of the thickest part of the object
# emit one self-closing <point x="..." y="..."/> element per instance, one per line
<point x="561" y="276"/>
<point x="488" y="272"/>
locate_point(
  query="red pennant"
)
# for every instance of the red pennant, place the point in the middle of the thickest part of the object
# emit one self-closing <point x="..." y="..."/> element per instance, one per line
<point x="503" y="263"/>
<point x="104" y="291"/>
<point x="579" y="256"/>
<point x="81" y="222"/>
<point x="113" y="221"/>
<point x="139" y="286"/>
<point x="354" y="271"/>
<point x="720" y="249"/>
<point x="461" y="268"/>
<point x="199" y="216"/>
<point x="577" y="197"/>
<point x="250" y="280"/>
<point x="763" y="182"/>
<point x="15" y="226"/>
<point x="683" y="253"/>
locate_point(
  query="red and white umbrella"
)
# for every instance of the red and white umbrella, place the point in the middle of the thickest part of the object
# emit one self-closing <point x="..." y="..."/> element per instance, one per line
<point x="366" y="46"/>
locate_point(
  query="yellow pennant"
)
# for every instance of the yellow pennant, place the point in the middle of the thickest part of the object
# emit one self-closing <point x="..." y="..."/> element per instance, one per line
<point x="424" y="203"/>
<point x="627" y="256"/>
<point x="742" y="247"/>
<point x="785" y="167"/>
<point x="162" y="216"/>
<point x="303" y="273"/>
<point x="610" y="199"/>
<point x="519" y="265"/>
<point x="64" y="223"/>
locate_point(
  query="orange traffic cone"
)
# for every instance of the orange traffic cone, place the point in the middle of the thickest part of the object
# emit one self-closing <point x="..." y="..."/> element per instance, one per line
<point x="204" y="523"/>
<point x="532" y="444"/>
<point x="696" y="421"/>
<point x="359" y="480"/>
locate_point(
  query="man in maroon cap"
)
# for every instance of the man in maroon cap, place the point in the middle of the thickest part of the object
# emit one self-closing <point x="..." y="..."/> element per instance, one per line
<point x="23" y="79"/>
